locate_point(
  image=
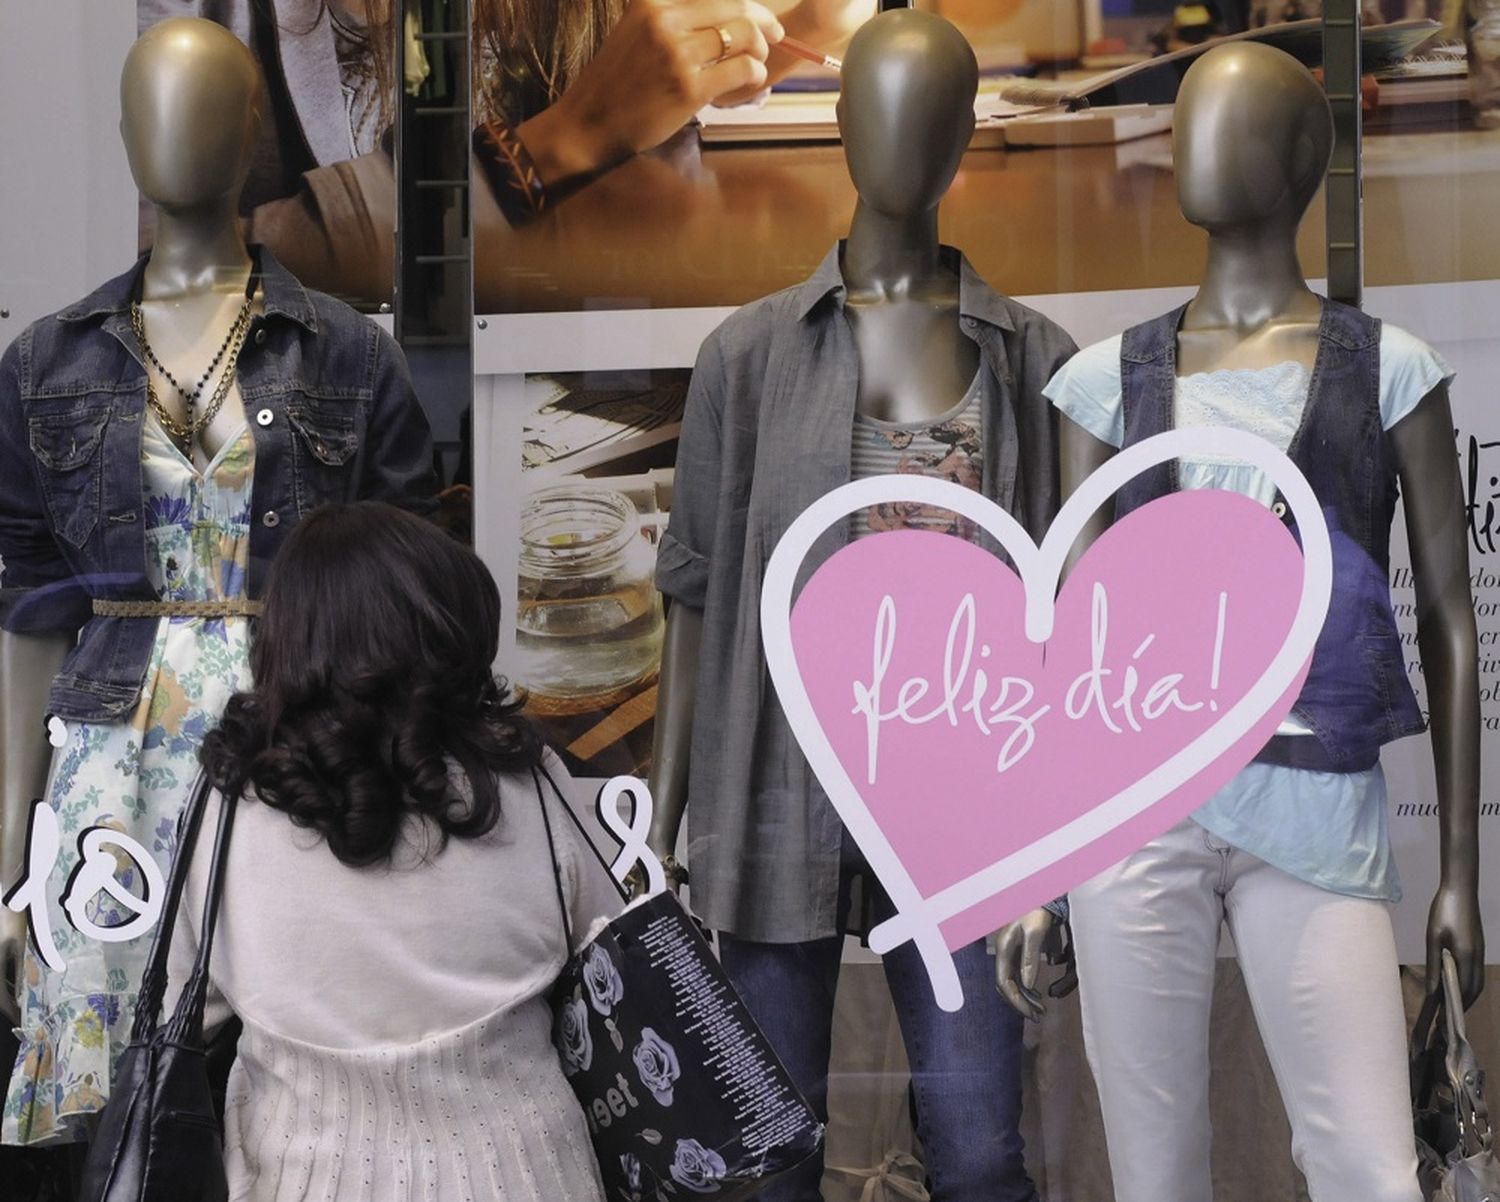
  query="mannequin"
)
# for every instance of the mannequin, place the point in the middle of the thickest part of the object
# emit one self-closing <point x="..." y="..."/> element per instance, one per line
<point x="144" y="513"/>
<point x="200" y="265"/>
<point x="893" y="356"/>
<point x="1252" y="137"/>
<point x="902" y="306"/>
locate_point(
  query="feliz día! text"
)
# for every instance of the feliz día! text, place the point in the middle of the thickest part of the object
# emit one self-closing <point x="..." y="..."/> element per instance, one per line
<point x="1116" y="695"/>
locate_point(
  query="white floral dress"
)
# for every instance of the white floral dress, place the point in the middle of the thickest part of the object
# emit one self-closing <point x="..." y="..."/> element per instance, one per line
<point x="135" y="777"/>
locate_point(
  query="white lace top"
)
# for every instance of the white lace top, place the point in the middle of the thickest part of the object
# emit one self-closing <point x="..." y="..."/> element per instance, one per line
<point x="1326" y="828"/>
<point x="1267" y="402"/>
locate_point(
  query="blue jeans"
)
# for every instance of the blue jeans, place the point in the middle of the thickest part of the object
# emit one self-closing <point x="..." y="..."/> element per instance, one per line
<point x="965" y="1067"/>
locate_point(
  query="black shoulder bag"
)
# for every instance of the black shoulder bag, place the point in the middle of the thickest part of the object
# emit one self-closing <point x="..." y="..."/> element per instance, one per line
<point x="160" y="1139"/>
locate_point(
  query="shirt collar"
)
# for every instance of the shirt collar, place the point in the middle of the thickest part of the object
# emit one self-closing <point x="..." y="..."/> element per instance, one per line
<point x="976" y="299"/>
<point x="281" y="294"/>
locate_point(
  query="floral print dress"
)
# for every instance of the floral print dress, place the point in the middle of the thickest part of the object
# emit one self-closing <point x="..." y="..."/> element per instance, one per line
<point x="134" y="776"/>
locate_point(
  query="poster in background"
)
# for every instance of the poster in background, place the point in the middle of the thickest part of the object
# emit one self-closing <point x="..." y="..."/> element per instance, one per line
<point x="597" y="456"/>
<point x="321" y="191"/>
<point x="738" y="205"/>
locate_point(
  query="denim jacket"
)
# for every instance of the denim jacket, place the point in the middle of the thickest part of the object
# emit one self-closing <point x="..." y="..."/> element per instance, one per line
<point x="1356" y="697"/>
<point x="329" y="404"/>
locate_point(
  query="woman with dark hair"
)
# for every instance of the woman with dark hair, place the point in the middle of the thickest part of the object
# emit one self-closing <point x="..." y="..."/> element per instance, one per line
<point x="390" y="921"/>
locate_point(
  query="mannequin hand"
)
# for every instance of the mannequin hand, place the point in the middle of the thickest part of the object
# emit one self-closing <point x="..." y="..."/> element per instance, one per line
<point x="1454" y="922"/>
<point x="661" y="63"/>
<point x="12" y="960"/>
<point x="1018" y="961"/>
<point x="662" y="848"/>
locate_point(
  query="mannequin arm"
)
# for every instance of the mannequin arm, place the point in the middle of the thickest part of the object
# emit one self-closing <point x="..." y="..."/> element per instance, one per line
<point x="676" y="698"/>
<point x="1433" y="501"/>
<point x="1080" y="455"/>
<point x="1019" y="945"/>
<point x="28" y="663"/>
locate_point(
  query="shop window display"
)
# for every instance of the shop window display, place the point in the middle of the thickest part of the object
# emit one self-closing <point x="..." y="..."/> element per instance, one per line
<point x="714" y="281"/>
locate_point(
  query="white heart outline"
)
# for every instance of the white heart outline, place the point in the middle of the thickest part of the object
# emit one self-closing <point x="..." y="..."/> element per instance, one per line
<point x="917" y="918"/>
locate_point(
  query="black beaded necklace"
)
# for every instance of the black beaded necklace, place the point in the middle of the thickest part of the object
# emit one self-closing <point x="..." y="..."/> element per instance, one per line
<point x="234" y="337"/>
<point x="191" y="398"/>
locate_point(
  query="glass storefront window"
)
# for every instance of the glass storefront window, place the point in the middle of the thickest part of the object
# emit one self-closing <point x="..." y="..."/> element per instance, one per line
<point x="1112" y="865"/>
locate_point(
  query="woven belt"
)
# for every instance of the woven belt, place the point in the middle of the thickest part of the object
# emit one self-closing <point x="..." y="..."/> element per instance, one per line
<point x="177" y="609"/>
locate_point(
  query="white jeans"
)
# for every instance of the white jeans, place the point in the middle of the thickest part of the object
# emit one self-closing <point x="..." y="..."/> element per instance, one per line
<point x="1323" y="981"/>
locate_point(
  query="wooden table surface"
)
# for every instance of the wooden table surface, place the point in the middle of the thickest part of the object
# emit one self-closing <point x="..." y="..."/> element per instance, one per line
<point x="723" y="226"/>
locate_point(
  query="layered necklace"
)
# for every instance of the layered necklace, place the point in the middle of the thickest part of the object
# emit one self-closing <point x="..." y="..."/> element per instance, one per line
<point x="185" y="432"/>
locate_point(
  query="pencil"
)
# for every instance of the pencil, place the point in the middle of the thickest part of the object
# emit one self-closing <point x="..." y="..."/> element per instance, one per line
<point x="802" y="50"/>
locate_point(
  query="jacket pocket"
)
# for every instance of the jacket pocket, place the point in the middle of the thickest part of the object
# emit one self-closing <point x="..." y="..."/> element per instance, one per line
<point x="325" y="444"/>
<point x="68" y="446"/>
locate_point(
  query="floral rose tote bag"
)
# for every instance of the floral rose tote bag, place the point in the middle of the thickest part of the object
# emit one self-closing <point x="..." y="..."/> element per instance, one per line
<point x="684" y="1096"/>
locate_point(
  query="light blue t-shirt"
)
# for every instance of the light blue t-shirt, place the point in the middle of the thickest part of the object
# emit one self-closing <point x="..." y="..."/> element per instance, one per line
<point x="1326" y="828"/>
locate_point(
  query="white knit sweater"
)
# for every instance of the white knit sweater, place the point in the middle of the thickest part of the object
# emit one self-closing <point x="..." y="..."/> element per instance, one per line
<point x="396" y="1043"/>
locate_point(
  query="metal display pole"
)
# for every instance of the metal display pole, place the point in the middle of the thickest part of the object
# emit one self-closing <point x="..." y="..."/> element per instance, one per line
<point x="1345" y="190"/>
<point x="434" y="260"/>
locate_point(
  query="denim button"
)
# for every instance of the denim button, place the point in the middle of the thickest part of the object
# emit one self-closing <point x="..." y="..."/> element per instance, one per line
<point x="272" y="518"/>
<point x="265" y="417"/>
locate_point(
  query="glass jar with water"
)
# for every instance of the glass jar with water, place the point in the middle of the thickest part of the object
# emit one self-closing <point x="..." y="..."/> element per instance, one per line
<point x="589" y="620"/>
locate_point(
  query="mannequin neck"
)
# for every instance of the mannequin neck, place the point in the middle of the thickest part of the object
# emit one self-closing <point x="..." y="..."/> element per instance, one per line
<point x="891" y="254"/>
<point x="1252" y="277"/>
<point x="196" y="251"/>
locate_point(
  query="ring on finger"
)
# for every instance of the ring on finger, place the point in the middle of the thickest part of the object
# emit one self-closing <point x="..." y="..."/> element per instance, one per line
<point x="726" y="42"/>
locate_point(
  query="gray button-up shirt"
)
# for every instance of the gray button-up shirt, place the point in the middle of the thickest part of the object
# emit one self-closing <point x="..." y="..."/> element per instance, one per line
<point x="767" y="431"/>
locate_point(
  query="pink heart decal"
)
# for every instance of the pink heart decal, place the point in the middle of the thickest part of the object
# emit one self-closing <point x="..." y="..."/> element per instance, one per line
<point x="989" y="747"/>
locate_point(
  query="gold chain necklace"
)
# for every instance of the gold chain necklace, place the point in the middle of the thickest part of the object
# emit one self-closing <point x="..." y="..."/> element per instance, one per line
<point x="234" y="341"/>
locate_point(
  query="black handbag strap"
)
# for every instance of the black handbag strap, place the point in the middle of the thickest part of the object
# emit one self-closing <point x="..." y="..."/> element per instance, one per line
<point x="184" y="1024"/>
<point x="187" y="1024"/>
<point x="538" y="774"/>
<point x="557" y="881"/>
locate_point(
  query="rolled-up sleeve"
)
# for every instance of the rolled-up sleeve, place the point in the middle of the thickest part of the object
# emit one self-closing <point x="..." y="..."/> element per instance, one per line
<point x="682" y="563"/>
<point x="398" y="466"/>
<point x="37" y="589"/>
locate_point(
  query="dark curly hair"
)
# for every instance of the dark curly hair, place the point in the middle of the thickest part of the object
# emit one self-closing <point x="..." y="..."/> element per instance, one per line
<point x="373" y="672"/>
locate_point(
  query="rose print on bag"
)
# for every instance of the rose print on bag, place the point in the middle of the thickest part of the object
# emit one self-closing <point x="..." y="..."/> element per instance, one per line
<point x="697" y="1168"/>
<point x="602" y="980"/>
<point x="656" y="1064"/>
<point x="605" y="989"/>
<point x="572" y="1037"/>
<point x="630" y="1165"/>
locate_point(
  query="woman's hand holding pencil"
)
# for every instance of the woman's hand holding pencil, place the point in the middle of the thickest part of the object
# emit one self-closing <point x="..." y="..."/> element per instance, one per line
<point x="664" y="61"/>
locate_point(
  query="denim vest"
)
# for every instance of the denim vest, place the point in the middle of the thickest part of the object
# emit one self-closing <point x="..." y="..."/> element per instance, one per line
<point x="329" y="404"/>
<point x="1357" y="696"/>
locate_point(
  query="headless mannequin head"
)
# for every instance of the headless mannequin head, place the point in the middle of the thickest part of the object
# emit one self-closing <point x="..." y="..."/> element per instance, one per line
<point x="191" y="99"/>
<point x="906" y="109"/>
<point x="1251" y="139"/>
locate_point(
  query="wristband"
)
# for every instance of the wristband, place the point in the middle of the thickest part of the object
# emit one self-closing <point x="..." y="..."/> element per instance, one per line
<point x="518" y="187"/>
